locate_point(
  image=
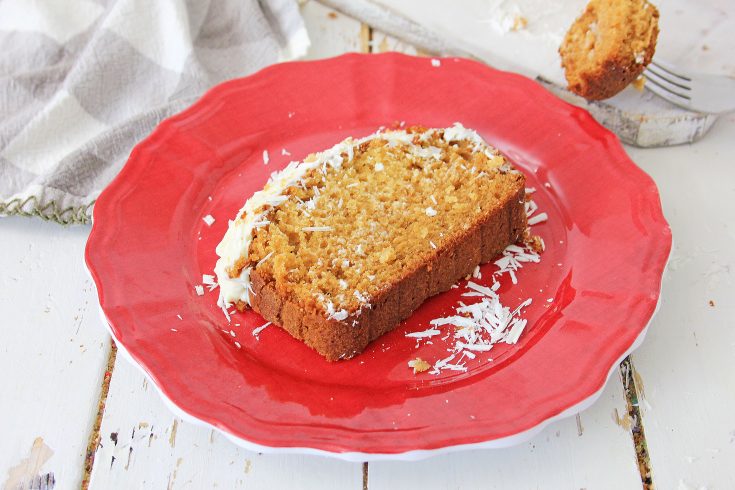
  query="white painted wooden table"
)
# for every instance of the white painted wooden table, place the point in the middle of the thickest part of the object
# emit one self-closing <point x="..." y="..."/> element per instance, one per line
<point x="71" y="414"/>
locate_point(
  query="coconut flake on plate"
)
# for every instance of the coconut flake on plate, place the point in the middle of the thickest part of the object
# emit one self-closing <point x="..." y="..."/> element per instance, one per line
<point x="424" y="334"/>
<point x="539" y="218"/>
<point x="479" y="326"/>
<point x="257" y="330"/>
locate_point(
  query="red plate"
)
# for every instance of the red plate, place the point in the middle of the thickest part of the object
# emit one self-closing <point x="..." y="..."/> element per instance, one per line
<point x="607" y="245"/>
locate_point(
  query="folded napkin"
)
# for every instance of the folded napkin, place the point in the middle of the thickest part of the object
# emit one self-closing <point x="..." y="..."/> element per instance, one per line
<point x="82" y="81"/>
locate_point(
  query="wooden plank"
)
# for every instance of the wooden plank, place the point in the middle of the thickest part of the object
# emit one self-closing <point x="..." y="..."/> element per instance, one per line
<point x="685" y="367"/>
<point x="381" y="42"/>
<point x="594" y="450"/>
<point x="332" y="33"/>
<point x="52" y="354"/>
<point x="144" y="445"/>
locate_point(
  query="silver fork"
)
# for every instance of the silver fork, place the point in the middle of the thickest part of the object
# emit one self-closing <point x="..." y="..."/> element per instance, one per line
<point x="700" y="92"/>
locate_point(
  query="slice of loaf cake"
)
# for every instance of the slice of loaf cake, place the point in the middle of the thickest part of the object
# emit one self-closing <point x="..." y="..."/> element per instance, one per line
<point x="341" y="247"/>
<point x="608" y="46"/>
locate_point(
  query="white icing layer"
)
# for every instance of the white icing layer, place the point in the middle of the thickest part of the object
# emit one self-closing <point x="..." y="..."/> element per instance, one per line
<point x="236" y="242"/>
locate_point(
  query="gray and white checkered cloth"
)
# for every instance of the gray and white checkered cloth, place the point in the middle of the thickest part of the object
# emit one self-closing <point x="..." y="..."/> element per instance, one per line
<point x="82" y="81"/>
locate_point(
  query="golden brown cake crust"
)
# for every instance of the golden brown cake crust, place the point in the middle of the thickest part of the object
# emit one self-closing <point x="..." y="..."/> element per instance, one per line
<point x="609" y="46"/>
<point x="343" y="339"/>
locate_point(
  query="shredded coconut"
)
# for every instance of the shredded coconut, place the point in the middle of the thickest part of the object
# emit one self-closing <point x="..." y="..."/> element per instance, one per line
<point x="317" y="228"/>
<point x="539" y="218"/>
<point x="256" y="331"/>
<point x="209" y="281"/>
<point x="266" y="158"/>
<point x="338" y="315"/>
<point x="424" y="334"/>
<point x="268" y="255"/>
<point x="481" y="325"/>
<point x="209" y="219"/>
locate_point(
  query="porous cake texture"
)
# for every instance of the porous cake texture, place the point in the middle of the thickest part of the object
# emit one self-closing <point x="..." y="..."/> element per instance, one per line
<point x="341" y="247"/>
<point x="609" y="46"/>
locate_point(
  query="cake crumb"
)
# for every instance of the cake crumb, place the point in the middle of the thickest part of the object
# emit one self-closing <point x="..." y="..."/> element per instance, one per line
<point x="256" y="331"/>
<point x="208" y="219"/>
<point x="199" y="290"/>
<point x="639" y="83"/>
<point x="419" y="365"/>
<point x="436" y="63"/>
<point x="519" y="23"/>
<point x="536" y="243"/>
<point x="712" y="303"/>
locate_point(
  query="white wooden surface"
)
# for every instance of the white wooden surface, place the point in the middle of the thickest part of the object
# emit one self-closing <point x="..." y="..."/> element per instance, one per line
<point x="143" y="443"/>
<point x="331" y="32"/>
<point x="53" y="355"/>
<point x="596" y="452"/>
<point x="687" y="364"/>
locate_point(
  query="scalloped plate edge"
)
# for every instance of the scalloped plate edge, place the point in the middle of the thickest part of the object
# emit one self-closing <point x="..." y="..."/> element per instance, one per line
<point x="413" y="455"/>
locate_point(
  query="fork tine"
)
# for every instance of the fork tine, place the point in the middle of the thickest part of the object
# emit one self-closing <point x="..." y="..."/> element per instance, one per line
<point x="665" y="84"/>
<point x="669" y="68"/>
<point x="665" y="93"/>
<point x="663" y="75"/>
